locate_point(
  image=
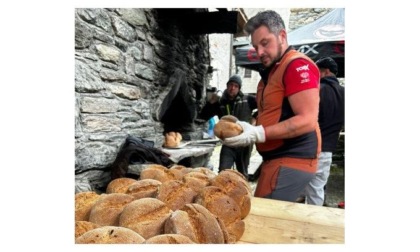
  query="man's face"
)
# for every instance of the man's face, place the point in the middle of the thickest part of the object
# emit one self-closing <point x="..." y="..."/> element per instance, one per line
<point x="323" y="72"/>
<point x="232" y="89"/>
<point x="267" y="45"/>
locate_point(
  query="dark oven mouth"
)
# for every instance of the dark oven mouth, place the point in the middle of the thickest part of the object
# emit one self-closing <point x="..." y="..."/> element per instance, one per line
<point x="177" y="110"/>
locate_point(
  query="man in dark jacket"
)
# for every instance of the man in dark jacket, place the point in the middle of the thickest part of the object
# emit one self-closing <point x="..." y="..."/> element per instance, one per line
<point x="233" y="102"/>
<point x="331" y="122"/>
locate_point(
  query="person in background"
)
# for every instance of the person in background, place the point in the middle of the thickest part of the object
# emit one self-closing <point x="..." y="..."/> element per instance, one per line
<point x="232" y="102"/>
<point x="286" y="134"/>
<point x="331" y="122"/>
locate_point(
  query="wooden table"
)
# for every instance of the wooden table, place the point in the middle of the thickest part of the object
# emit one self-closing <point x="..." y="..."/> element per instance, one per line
<point x="275" y="221"/>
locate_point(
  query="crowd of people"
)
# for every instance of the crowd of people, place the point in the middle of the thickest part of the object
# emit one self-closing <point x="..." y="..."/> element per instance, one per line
<point x="299" y="114"/>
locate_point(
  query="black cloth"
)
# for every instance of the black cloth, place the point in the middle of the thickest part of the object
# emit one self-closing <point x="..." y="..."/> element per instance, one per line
<point x="137" y="151"/>
<point x="331" y="112"/>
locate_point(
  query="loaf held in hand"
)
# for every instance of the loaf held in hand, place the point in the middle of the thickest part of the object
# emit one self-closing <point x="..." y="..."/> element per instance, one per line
<point x="227" y="127"/>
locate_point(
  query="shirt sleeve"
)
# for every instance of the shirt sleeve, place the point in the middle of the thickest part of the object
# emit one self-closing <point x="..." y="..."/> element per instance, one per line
<point x="300" y="75"/>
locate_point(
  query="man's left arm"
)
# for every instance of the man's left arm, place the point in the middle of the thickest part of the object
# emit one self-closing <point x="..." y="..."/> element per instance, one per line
<point x="305" y="107"/>
<point x="302" y="90"/>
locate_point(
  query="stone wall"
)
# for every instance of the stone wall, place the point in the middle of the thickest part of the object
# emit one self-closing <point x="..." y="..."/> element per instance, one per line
<point x="124" y="61"/>
<point x="302" y="16"/>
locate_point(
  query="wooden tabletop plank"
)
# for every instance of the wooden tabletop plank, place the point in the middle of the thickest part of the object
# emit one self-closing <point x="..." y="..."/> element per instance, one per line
<point x="298" y="212"/>
<point x="273" y="221"/>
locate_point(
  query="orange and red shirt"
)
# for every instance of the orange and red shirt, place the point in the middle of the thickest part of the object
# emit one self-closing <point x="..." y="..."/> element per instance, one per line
<point x="293" y="73"/>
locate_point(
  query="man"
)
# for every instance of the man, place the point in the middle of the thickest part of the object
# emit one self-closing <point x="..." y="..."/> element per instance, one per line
<point x="331" y="121"/>
<point x="287" y="133"/>
<point x="233" y="102"/>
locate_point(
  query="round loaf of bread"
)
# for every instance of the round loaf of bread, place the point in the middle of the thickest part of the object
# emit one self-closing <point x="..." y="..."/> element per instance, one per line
<point x="169" y="239"/>
<point x="158" y="172"/>
<point x="235" y="174"/>
<point x="145" y="188"/>
<point x="110" y="235"/>
<point x="83" y="204"/>
<point x="107" y="209"/>
<point x="227" y="127"/>
<point x="206" y="171"/>
<point x="119" y="185"/>
<point x="236" y="188"/>
<point x="229" y="239"/>
<point x="82" y="227"/>
<point x="175" y="194"/>
<point x="145" y="216"/>
<point x="172" y="139"/>
<point x="196" y="222"/>
<point x="181" y="169"/>
<point x="196" y="180"/>
<point x="225" y="208"/>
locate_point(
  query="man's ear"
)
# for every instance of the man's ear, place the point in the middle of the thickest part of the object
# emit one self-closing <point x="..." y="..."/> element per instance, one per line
<point x="282" y="36"/>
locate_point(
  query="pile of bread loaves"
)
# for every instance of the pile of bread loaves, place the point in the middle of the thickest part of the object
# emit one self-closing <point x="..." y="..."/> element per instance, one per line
<point x="166" y="205"/>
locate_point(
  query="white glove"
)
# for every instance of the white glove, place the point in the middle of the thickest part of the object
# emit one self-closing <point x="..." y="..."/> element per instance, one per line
<point x="250" y="135"/>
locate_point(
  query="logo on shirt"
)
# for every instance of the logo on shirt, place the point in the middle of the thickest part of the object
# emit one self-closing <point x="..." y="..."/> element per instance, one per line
<point x="304" y="77"/>
<point x="303" y="68"/>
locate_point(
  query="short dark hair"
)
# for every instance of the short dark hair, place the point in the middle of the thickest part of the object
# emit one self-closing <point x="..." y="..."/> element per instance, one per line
<point x="271" y="19"/>
<point x="328" y="63"/>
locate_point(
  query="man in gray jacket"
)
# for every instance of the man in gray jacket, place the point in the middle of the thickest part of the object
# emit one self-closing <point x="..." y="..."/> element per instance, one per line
<point x="233" y="102"/>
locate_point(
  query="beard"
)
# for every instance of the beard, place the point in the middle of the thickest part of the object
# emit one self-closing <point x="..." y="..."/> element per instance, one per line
<point x="277" y="57"/>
